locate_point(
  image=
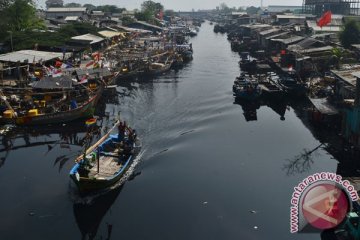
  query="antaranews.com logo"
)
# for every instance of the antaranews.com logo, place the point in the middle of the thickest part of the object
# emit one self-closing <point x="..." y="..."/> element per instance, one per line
<point x="321" y="201"/>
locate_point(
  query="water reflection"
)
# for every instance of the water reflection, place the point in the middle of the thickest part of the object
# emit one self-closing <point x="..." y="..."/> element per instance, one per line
<point x="68" y="135"/>
<point x="250" y="107"/>
<point x="89" y="216"/>
<point x="302" y="162"/>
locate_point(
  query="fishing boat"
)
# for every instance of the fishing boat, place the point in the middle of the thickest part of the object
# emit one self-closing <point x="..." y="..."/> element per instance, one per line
<point x="292" y="86"/>
<point x="186" y="51"/>
<point x="158" y="68"/>
<point x="246" y="88"/>
<point x="270" y="89"/>
<point x="106" y="162"/>
<point x="52" y="109"/>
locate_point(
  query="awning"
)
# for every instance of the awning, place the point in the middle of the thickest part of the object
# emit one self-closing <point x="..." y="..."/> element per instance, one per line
<point x="94" y="72"/>
<point x="323" y="106"/>
<point x="63" y="82"/>
<point x="110" y="34"/>
<point x="31" y="55"/>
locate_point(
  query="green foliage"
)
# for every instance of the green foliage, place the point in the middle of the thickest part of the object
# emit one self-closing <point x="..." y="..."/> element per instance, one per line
<point x="72" y="5"/>
<point x="89" y="6"/>
<point x="27" y="39"/>
<point x="146" y="15"/>
<point x="224" y="8"/>
<point x="127" y="20"/>
<point x="149" y="10"/>
<point x="20" y="16"/>
<point x="169" y="13"/>
<point x="350" y="33"/>
<point x="109" y="8"/>
<point x="151" y="6"/>
<point x="5" y="3"/>
<point x="54" y="3"/>
<point x="78" y="28"/>
<point x="252" y="10"/>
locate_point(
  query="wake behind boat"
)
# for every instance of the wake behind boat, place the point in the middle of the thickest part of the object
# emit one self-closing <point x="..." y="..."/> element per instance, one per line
<point x="107" y="161"/>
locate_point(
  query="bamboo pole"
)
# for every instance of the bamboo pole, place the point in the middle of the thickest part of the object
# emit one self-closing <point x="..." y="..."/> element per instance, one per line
<point x="90" y="149"/>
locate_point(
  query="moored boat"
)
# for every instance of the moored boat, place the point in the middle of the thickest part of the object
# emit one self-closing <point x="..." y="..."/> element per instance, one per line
<point x="106" y="162"/>
<point x="246" y="88"/>
<point x="73" y="105"/>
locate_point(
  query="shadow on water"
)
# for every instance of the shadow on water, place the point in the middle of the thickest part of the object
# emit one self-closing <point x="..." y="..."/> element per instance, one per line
<point x="302" y="162"/>
<point x="250" y="107"/>
<point x="89" y="216"/>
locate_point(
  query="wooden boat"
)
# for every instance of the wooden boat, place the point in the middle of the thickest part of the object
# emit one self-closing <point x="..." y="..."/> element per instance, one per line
<point x="55" y="112"/>
<point x="292" y="86"/>
<point x="158" y="68"/>
<point x="105" y="163"/>
<point x="271" y="90"/>
<point x="246" y="88"/>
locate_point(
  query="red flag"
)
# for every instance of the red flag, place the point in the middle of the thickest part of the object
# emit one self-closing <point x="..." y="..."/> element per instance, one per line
<point x="96" y="56"/>
<point x="89" y="64"/>
<point x="325" y="19"/>
<point x="58" y="64"/>
<point x="161" y="15"/>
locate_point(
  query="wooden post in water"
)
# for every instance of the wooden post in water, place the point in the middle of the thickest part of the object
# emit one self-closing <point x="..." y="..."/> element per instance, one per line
<point x="98" y="160"/>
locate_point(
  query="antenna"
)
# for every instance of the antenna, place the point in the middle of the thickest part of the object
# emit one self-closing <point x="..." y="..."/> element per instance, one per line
<point x="261" y="4"/>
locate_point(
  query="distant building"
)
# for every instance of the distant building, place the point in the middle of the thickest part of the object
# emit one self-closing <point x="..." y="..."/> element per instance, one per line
<point x="287" y="18"/>
<point x="274" y="9"/>
<point x="343" y="7"/>
<point x="54" y="3"/>
<point x="62" y="13"/>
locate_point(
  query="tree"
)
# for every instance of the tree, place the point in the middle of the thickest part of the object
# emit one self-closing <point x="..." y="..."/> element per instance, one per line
<point x="110" y="9"/>
<point x="127" y="20"/>
<point x="224" y="8"/>
<point x="54" y="3"/>
<point x="169" y="13"/>
<point x="252" y="10"/>
<point x="350" y="34"/>
<point x="89" y="6"/>
<point x="72" y="5"/>
<point x="153" y="7"/>
<point x="4" y="4"/>
<point x="21" y="15"/>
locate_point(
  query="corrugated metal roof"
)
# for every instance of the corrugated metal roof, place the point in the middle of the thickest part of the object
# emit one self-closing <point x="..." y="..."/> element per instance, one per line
<point x="323" y="106"/>
<point x="110" y="34"/>
<point x="31" y="55"/>
<point x="266" y="32"/>
<point x="289" y="40"/>
<point x="79" y="9"/>
<point x="290" y="17"/>
<point x="72" y="18"/>
<point x="89" y="37"/>
<point x="327" y="28"/>
<point x="277" y="35"/>
<point x="63" y="82"/>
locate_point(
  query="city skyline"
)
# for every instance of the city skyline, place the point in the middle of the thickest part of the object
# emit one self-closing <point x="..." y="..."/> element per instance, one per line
<point x="185" y="5"/>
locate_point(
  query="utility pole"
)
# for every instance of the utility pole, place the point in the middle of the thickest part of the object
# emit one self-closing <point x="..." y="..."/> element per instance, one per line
<point x="11" y="40"/>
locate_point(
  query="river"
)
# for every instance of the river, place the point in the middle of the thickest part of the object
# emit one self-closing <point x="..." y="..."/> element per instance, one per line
<point x="205" y="172"/>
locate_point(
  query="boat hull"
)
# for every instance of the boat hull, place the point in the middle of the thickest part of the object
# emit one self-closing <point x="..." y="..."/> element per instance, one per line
<point x="91" y="184"/>
<point x="82" y="112"/>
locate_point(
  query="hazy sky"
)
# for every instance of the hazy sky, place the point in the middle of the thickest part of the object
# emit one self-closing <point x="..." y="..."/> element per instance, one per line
<point x="184" y="4"/>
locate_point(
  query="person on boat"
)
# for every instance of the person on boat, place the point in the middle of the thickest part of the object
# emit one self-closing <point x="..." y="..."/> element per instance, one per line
<point x="121" y="129"/>
<point x="132" y="137"/>
<point x="127" y="150"/>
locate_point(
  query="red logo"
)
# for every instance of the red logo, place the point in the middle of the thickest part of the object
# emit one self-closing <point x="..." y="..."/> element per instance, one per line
<point x="325" y="206"/>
